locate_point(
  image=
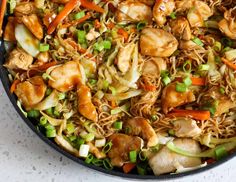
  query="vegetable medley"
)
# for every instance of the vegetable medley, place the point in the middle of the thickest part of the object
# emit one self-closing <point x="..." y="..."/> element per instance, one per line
<point x="145" y="86"/>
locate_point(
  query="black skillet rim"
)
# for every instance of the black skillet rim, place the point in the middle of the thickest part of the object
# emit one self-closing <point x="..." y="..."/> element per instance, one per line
<point x="12" y="97"/>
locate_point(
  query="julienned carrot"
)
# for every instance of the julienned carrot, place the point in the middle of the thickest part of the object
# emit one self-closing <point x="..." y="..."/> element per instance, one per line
<point x="2" y="13"/>
<point x="91" y="6"/>
<point x="128" y="167"/>
<point x="123" y="33"/>
<point x="13" y="85"/>
<point x="62" y="15"/>
<point x="195" y="114"/>
<point x="76" y="22"/>
<point x="229" y="63"/>
<point x="149" y="87"/>
<point x="198" y="81"/>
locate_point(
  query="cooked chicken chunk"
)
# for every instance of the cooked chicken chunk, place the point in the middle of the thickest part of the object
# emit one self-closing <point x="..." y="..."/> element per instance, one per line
<point x="162" y="9"/>
<point x="186" y="128"/>
<point x="228" y="24"/>
<point x="154" y="66"/>
<point x="24" y="8"/>
<point x="64" y="80"/>
<point x="181" y="29"/>
<point x="183" y="5"/>
<point x="189" y="45"/>
<point x="85" y="105"/>
<point x="171" y="98"/>
<point x="166" y="161"/>
<point x="124" y="57"/>
<point x="157" y="42"/>
<point x="121" y="146"/>
<point x="31" y="91"/>
<point x="33" y="23"/>
<point x="18" y="59"/>
<point x="147" y="2"/>
<point x="139" y="126"/>
<point x="133" y="11"/>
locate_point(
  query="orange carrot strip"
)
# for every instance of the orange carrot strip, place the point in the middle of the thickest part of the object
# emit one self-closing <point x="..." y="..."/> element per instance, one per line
<point x="110" y="25"/>
<point x="195" y="81"/>
<point x="229" y="63"/>
<point x="91" y="6"/>
<point x="128" y="167"/>
<point x="97" y="24"/>
<point x="76" y="22"/>
<point x="13" y="85"/>
<point x="149" y="87"/>
<point x="2" y="12"/>
<point x="195" y="114"/>
<point x="123" y="33"/>
<point x="62" y="15"/>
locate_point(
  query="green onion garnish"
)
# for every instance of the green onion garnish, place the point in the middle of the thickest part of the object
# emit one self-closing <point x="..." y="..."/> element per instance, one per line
<point x="187" y="66"/>
<point x="107" y="147"/>
<point x="49" y="111"/>
<point x="220" y="152"/>
<point x="97" y="162"/>
<point x="204" y="67"/>
<point x="79" y="15"/>
<point x="226" y="42"/>
<point x="141" y="170"/>
<point x="133" y="156"/>
<point x="51" y="133"/>
<point x="180" y="87"/>
<point x="43" y="121"/>
<point x="89" y="159"/>
<point x="113" y="90"/>
<point x="217" y="46"/>
<point x="78" y="142"/>
<point x="48" y="91"/>
<point x="142" y="156"/>
<point x="56" y="113"/>
<point x="72" y="138"/>
<point x="154" y="117"/>
<point x="61" y="96"/>
<point x="173" y="15"/>
<point x="92" y="81"/>
<point x="81" y="36"/>
<point x="89" y="137"/>
<point x="222" y="90"/>
<point x="187" y="81"/>
<point x="49" y="127"/>
<point x="166" y="80"/>
<point x="171" y="132"/>
<point x="70" y="127"/>
<point x="33" y="113"/>
<point x="198" y="41"/>
<point x="106" y="44"/>
<point x="118" y="125"/>
<point x="43" y="47"/>
<point x="141" y="25"/>
<point x="217" y="59"/>
<point x="107" y="164"/>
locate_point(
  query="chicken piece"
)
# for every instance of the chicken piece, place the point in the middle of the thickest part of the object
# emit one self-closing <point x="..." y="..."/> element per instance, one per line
<point x="147" y="2"/>
<point x="65" y="77"/>
<point x="200" y="12"/>
<point x="9" y="33"/>
<point x="124" y="57"/>
<point x="94" y="150"/>
<point x="130" y="11"/>
<point x="154" y="67"/>
<point x="121" y="146"/>
<point x="228" y="24"/>
<point x="183" y="5"/>
<point x="85" y="105"/>
<point x="186" y="128"/>
<point x="92" y="34"/>
<point x="39" y="4"/>
<point x="166" y="161"/>
<point x="18" y="59"/>
<point x="157" y="43"/>
<point x="139" y="126"/>
<point x="171" y="98"/>
<point x="189" y="45"/>
<point x="43" y="57"/>
<point x="31" y="91"/>
<point x="162" y="9"/>
<point x="181" y="29"/>
<point x="24" y="8"/>
<point x="32" y="22"/>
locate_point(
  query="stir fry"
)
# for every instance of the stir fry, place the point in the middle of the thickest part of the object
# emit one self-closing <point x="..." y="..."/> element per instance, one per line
<point x="143" y="86"/>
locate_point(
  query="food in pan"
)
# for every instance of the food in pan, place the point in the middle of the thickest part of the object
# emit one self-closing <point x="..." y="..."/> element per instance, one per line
<point x="143" y="86"/>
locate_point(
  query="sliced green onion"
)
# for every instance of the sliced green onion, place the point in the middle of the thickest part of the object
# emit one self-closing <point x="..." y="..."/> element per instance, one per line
<point x="118" y="125"/>
<point x="154" y="117"/>
<point x="113" y="90"/>
<point x="107" y="147"/>
<point x="84" y="150"/>
<point x="78" y="142"/>
<point x="220" y="152"/>
<point x="204" y="67"/>
<point x="12" y="5"/>
<point x="133" y="156"/>
<point x="49" y="127"/>
<point x="107" y="164"/>
<point x="187" y="81"/>
<point x="106" y="44"/>
<point x="164" y="73"/>
<point x="48" y="91"/>
<point x="155" y="148"/>
<point x="217" y="59"/>
<point x="141" y="170"/>
<point x="43" y="121"/>
<point x="141" y="25"/>
<point x="79" y="15"/>
<point x="89" y="159"/>
<point x="93" y="82"/>
<point x="171" y="132"/>
<point x="217" y="46"/>
<point x="70" y="127"/>
<point x="226" y="49"/>
<point x="81" y="36"/>
<point x="222" y="90"/>
<point x="98" y="47"/>
<point x="226" y="42"/>
<point x="97" y="162"/>
<point x="105" y="84"/>
<point x="173" y="15"/>
<point x="33" y="113"/>
<point x="89" y="137"/>
<point x="180" y="87"/>
<point x="142" y="156"/>
<point x="187" y="66"/>
<point x="72" y="138"/>
<point x="166" y="80"/>
<point x="100" y="142"/>
<point x="43" y="47"/>
<point x="197" y="41"/>
<point x="61" y="96"/>
<point x="51" y="133"/>
<point x="49" y="111"/>
<point x="56" y="113"/>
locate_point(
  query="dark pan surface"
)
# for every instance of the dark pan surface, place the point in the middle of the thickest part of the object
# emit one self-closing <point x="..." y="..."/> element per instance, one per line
<point x="12" y="97"/>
